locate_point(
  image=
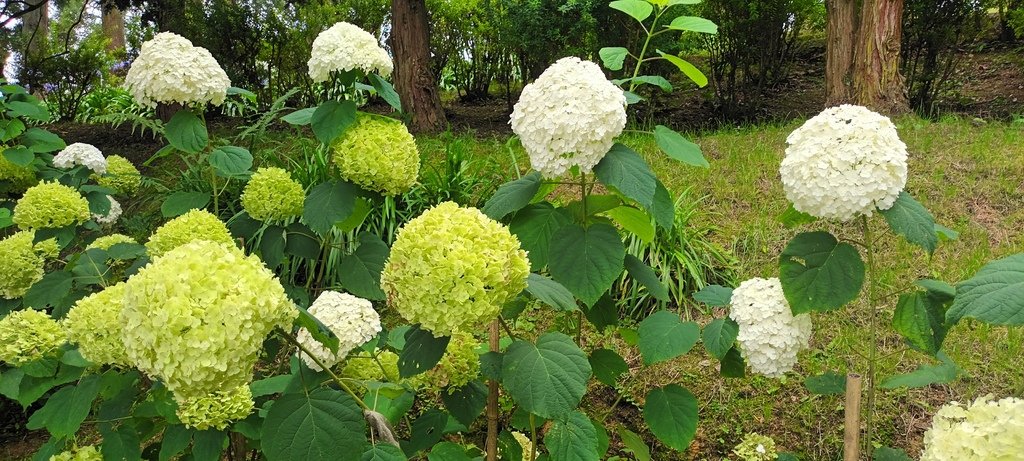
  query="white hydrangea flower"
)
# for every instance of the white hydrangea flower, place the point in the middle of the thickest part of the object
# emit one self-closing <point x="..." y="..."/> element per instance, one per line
<point x="569" y="117"/>
<point x="770" y="336"/>
<point x="170" y="69"/>
<point x="112" y="215"/>
<point x="81" y="154"/>
<point x="987" y="430"/>
<point x="345" y="47"/>
<point x="353" y="320"/>
<point x="844" y="163"/>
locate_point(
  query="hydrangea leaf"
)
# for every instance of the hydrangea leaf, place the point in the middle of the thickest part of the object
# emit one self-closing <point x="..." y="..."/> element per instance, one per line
<point x="300" y="117"/>
<point x="691" y="71"/>
<point x="548" y="378"/>
<point x="175" y="440"/>
<point x="509" y="447"/>
<point x="604" y="313"/>
<point x="422" y="352"/>
<point x="656" y="80"/>
<point x="180" y="203"/>
<point x="733" y="366"/>
<point x="633" y="220"/>
<point x="448" y="451"/>
<point x="613" y="57"/>
<point x="671" y="413"/>
<point x="626" y="171"/>
<point x="714" y="295"/>
<point x="426" y="431"/>
<point x="938" y="289"/>
<point x="386" y="91"/>
<point x="122" y="442"/>
<point x="321" y="425"/>
<point x="827" y="383"/>
<point x="663" y="208"/>
<point x="360" y="270"/>
<point x="643" y="273"/>
<point x="67" y="408"/>
<point x="920" y="319"/>
<point x="907" y="217"/>
<point x="890" y="454"/>
<point x="792" y="217"/>
<point x="925" y="375"/>
<point x="818" y="273"/>
<point x="302" y="242"/>
<point x="944" y="233"/>
<point x="327" y="204"/>
<point x="572" y="438"/>
<point x="272" y="245"/>
<point x="663" y="336"/>
<point x="331" y="119"/>
<point x="27" y="109"/>
<point x="607" y="365"/>
<point x="207" y="445"/>
<point x="638" y="9"/>
<point x="49" y="291"/>
<point x="586" y="260"/>
<point x="512" y="196"/>
<point x="693" y="24"/>
<point x="467" y="402"/>
<point x="317" y="329"/>
<point x="383" y="452"/>
<point x="533" y="226"/>
<point x="635" y="444"/>
<point x="719" y="337"/>
<point x="679" y="148"/>
<point x="41" y="141"/>
<point x="550" y="292"/>
<point x="186" y="132"/>
<point x="995" y="294"/>
<point x="231" y="160"/>
<point x="19" y="156"/>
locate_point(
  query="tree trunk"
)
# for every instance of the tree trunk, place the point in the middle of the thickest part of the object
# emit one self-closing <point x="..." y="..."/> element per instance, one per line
<point x="113" y="26"/>
<point x="841" y="29"/>
<point x="414" y="82"/>
<point x="35" y="28"/>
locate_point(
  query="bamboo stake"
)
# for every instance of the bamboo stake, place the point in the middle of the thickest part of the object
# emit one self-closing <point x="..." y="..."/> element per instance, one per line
<point x="492" y="400"/>
<point x="851" y="435"/>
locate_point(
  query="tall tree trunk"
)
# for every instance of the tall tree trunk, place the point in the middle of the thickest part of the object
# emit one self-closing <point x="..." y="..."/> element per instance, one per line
<point x="414" y="81"/>
<point x="841" y="29"/>
<point x="113" y="26"/>
<point x="36" y="27"/>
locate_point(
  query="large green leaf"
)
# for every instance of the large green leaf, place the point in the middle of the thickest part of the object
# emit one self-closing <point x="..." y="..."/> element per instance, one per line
<point x="534" y="225"/>
<point x="49" y="291"/>
<point x="643" y="273"/>
<point x="693" y="24"/>
<point x="663" y="336"/>
<point x="919" y="318"/>
<point x="467" y="402"/>
<point x="714" y="295"/>
<point x="827" y="383"/>
<point x="121" y="443"/>
<point x="925" y="375"/>
<point x="994" y="295"/>
<point x="208" y="445"/>
<point x="679" y="148"/>
<point x="633" y="220"/>
<point x="42" y="141"/>
<point x="231" y="160"/>
<point x="360" y="271"/>
<point x="383" y="452"/>
<point x="426" y="431"/>
<point x="67" y="408"/>
<point x="664" y="208"/>
<point x="607" y="365"/>
<point x="550" y="292"/>
<point x="448" y="451"/>
<point x="586" y="261"/>
<point x="792" y="217"/>
<point x="671" y="413"/>
<point x="186" y="132"/>
<point x="421" y="352"/>
<point x="635" y="444"/>
<point x="180" y="203"/>
<point x="638" y="9"/>
<point x="910" y="219"/>
<point x="890" y="454"/>
<point x="613" y="57"/>
<point x="321" y="425"/>
<point x="626" y="171"/>
<point x="300" y="117"/>
<point x="818" y="273"/>
<point x="386" y="91"/>
<point x="331" y="119"/>
<point x="512" y="196"/>
<point x="327" y="204"/>
<point x="19" y="156"/>
<point x="547" y="379"/>
<point x="572" y="438"/>
<point x="691" y="71"/>
<point x="719" y="336"/>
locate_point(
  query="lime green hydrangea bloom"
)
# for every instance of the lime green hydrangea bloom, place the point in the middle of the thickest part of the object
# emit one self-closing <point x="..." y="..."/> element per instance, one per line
<point x="22" y="263"/>
<point x="14" y="178"/>
<point x="271" y="193"/>
<point x="50" y="205"/>
<point x="987" y="429"/>
<point x="107" y="241"/>
<point x="453" y="268"/>
<point x="94" y="323"/>
<point x="756" y="447"/>
<point x="28" y="335"/>
<point x="196" y="317"/>
<point x="378" y="154"/>
<point x="459" y="365"/>
<point x="364" y="368"/>
<point x="191" y="226"/>
<point x="121" y="176"/>
<point x="48" y="248"/>
<point x="216" y="409"/>
<point x="86" y="453"/>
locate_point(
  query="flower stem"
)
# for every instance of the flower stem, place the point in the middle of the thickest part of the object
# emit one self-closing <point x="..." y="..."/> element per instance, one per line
<point x="873" y="332"/>
<point x="643" y="50"/>
<point x="292" y="339"/>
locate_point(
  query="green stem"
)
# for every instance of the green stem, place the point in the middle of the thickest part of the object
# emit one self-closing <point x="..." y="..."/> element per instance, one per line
<point x="643" y="50"/>
<point x="533" y="438"/>
<point x="337" y="380"/>
<point x="213" y="185"/>
<point x="873" y="332"/>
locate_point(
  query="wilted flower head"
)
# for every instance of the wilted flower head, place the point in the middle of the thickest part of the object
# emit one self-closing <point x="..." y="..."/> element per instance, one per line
<point x="28" y="335"/>
<point x="987" y="430"/>
<point x="170" y="70"/>
<point x="112" y="215"/>
<point x="22" y="263"/>
<point x="844" y="163"/>
<point x="353" y="320"/>
<point x="86" y="453"/>
<point x="121" y="176"/>
<point x="379" y="154"/>
<point x="569" y="117"/>
<point x="453" y="268"/>
<point x="107" y="241"/>
<point x="770" y="336"/>
<point x="216" y="409"/>
<point x="14" y="178"/>
<point x="94" y="323"/>
<point x="81" y="154"/>
<point x="459" y="365"/>
<point x="196" y="317"/>
<point x="271" y="193"/>
<point x="756" y="447"/>
<point x="189" y="227"/>
<point x="50" y="205"/>
<point x="346" y="47"/>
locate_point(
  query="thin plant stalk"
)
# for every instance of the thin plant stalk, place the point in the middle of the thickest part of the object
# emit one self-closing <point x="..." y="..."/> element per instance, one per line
<point x="872" y="331"/>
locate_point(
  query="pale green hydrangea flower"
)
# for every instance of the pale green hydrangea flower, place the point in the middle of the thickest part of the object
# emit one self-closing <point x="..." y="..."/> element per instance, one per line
<point x="196" y="317"/>
<point x="14" y="178"/>
<point x="28" y="335"/>
<point x="459" y="365"/>
<point x="48" y="248"/>
<point x="94" y="323"/>
<point x="107" y="241"/>
<point x="121" y="176"/>
<point x="364" y="368"/>
<point x="50" y="205"/>
<point x="986" y="430"/>
<point x="86" y="453"/>
<point x="22" y="263"/>
<point x="272" y="194"/>
<point x="378" y="154"/>
<point x="215" y="410"/>
<point x="756" y="447"/>
<point x="453" y="268"/>
<point x="189" y="227"/>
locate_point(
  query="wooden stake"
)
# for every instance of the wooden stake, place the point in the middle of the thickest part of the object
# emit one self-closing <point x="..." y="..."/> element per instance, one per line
<point x="492" y="400"/>
<point x="851" y="435"/>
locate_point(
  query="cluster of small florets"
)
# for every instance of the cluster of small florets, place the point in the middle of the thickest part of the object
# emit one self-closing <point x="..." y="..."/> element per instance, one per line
<point x="770" y="336"/>
<point x="111" y="216"/>
<point x="366" y="368"/>
<point x="986" y="430"/>
<point x="451" y="269"/>
<point x="14" y="178"/>
<point x="459" y="365"/>
<point x="107" y="241"/>
<point x="756" y="447"/>
<point x="189" y="227"/>
<point x="378" y="154"/>
<point x="271" y="193"/>
<point x="569" y="117"/>
<point x="81" y="154"/>
<point x="170" y="69"/>
<point x="86" y="453"/>
<point x="28" y="335"/>
<point x="346" y="47"/>
<point x="843" y="163"/>
<point x="94" y="323"/>
<point x="22" y="263"/>
<point x="121" y="176"/>
<point x="196" y="317"/>
<point x="216" y="409"/>
<point x="50" y="205"/>
<point x="353" y="320"/>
